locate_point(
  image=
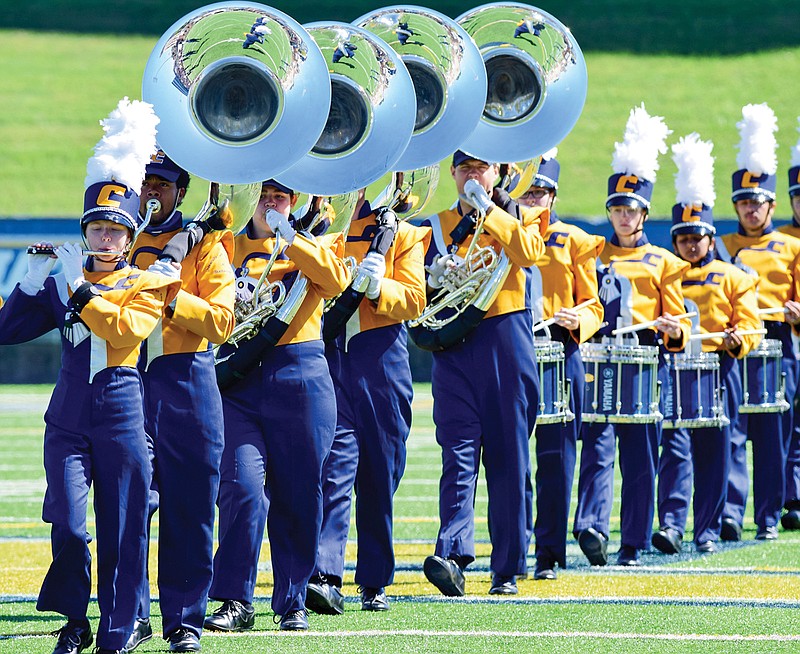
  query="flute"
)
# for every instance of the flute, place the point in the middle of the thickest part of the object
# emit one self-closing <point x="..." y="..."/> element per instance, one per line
<point x="550" y="321"/>
<point x="153" y="205"/>
<point x="651" y="323"/>
<point x="771" y="310"/>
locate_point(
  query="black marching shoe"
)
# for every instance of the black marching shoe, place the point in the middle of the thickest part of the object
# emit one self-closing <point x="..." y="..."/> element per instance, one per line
<point x="374" y="599"/>
<point x="628" y="556"/>
<point x="183" y="640"/>
<point x="503" y="585"/>
<point x="142" y="632"/>
<point x="730" y="530"/>
<point x="791" y="520"/>
<point x="767" y="533"/>
<point x="594" y="545"/>
<point x="232" y="615"/>
<point x="445" y="574"/>
<point x="73" y="637"/>
<point x="295" y="621"/>
<point x="707" y="547"/>
<point x="324" y="598"/>
<point x="545" y="569"/>
<point x="667" y="540"/>
<point x="101" y="650"/>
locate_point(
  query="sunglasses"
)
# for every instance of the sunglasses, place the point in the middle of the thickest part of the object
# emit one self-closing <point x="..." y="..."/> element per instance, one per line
<point x="535" y="194"/>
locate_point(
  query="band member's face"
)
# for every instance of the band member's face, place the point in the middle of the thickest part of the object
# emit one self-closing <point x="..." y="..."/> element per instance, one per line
<point x="754" y="215"/>
<point x="275" y="199"/>
<point x="626" y="220"/>
<point x="484" y="173"/>
<point x="692" y="247"/>
<point x="107" y="236"/>
<point x="796" y="208"/>
<point x="537" y="196"/>
<point x="167" y="193"/>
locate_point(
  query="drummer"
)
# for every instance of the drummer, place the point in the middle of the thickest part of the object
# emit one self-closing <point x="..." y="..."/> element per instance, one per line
<point x="774" y="257"/>
<point x="640" y="283"/>
<point x="728" y="298"/>
<point x="569" y="278"/>
<point x="791" y="502"/>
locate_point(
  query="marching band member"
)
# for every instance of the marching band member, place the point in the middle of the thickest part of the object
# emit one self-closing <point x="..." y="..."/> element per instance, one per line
<point x="728" y="299"/>
<point x="485" y="389"/>
<point x="569" y="277"/>
<point x="791" y="501"/>
<point x="775" y="257"/>
<point x="183" y="407"/>
<point x="653" y="276"/>
<point x="372" y="377"/>
<point x="280" y="420"/>
<point x="94" y="433"/>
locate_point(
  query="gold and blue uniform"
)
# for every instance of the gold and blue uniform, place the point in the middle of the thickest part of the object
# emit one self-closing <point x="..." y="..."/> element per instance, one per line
<point x="569" y="277"/>
<point x="486" y="394"/>
<point x="279" y="424"/>
<point x="655" y="278"/>
<point x="775" y="256"/>
<point x="791" y="500"/>
<point x="94" y="436"/>
<point x="183" y="419"/>
<point x="726" y="297"/>
<point x="372" y="377"/>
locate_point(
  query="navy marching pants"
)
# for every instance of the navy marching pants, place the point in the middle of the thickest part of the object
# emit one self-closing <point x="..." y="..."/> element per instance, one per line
<point x="486" y="395"/>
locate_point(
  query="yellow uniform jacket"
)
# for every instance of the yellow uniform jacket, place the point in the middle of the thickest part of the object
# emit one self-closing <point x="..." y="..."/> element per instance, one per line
<point x="203" y="310"/>
<point x="402" y="294"/>
<point x="521" y="240"/>
<point x="569" y="275"/>
<point x="726" y="297"/>
<point x="655" y="275"/>
<point x="319" y="260"/>
<point x="775" y="256"/>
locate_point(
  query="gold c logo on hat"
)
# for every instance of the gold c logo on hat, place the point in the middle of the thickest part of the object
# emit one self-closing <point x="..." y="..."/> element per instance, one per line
<point x="104" y="196"/>
<point x="691" y="213"/>
<point x="158" y="157"/>
<point x="624" y="180"/>
<point x="797" y="177"/>
<point x="750" y="180"/>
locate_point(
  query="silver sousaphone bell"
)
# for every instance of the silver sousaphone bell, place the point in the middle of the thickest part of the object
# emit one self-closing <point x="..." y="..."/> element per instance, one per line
<point x="241" y="89"/>
<point x="448" y="74"/>
<point x="371" y="115"/>
<point x="536" y="81"/>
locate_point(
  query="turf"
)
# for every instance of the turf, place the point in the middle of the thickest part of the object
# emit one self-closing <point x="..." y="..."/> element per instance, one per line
<point x="743" y="599"/>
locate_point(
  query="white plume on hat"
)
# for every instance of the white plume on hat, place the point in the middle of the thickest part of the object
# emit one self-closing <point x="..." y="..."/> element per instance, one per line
<point x="694" y="181"/>
<point x="796" y="149"/>
<point x="757" y="143"/>
<point x="645" y="138"/>
<point x="550" y="154"/>
<point x="125" y="149"/>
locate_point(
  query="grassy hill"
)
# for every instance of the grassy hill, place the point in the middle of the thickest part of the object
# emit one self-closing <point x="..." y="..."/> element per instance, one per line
<point x="696" y="63"/>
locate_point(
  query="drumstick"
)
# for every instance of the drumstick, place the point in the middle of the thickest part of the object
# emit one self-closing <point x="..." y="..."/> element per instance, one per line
<point x="550" y="321"/>
<point x="744" y="332"/>
<point x="652" y="323"/>
<point x="764" y="312"/>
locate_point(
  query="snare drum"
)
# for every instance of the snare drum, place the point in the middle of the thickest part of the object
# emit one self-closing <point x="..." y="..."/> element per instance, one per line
<point x="621" y="383"/>
<point x="692" y="396"/>
<point x="553" y="388"/>
<point x="763" y="384"/>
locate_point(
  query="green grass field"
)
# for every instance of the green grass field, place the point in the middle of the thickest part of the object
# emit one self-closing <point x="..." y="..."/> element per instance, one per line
<point x="743" y="599"/>
<point x="695" y="63"/>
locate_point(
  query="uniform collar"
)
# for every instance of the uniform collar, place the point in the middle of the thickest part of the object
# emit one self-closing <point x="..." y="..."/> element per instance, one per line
<point x="642" y="240"/>
<point x="171" y="224"/>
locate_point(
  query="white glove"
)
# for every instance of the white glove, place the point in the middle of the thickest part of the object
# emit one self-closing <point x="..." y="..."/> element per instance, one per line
<point x="440" y="266"/>
<point x="279" y="224"/>
<point x="39" y="267"/>
<point x="71" y="257"/>
<point x="165" y="268"/>
<point x="476" y="196"/>
<point x="374" y="267"/>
